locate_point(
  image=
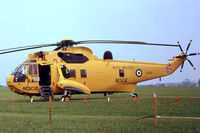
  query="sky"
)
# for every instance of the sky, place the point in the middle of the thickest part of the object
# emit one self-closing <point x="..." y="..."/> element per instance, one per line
<point x="25" y="23"/>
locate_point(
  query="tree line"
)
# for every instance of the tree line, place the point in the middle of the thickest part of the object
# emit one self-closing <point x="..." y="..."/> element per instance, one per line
<point x="186" y="82"/>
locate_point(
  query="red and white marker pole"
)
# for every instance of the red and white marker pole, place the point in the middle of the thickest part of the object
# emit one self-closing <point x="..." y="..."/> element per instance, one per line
<point x="50" y="121"/>
<point x="155" y="110"/>
<point x="134" y="99"/>
<point x="85" y="100"/>
<point x="177" y="98"/>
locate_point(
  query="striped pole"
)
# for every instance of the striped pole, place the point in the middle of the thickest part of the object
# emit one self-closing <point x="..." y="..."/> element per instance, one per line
<point x="155" y="110"/>
<point x="50" y="121"/>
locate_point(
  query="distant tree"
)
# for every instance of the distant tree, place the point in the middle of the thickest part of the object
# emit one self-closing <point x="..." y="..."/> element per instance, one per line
<point x="199" y="82"/>
<point x="187" y="82"/>
<point x="161" y="84"/>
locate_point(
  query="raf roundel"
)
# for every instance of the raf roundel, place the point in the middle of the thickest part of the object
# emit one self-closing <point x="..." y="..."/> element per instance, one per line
<point x="139" y="73"/>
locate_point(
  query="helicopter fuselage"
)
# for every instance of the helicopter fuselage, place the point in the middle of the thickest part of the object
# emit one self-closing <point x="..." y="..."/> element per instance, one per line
<point x="78" y="70"/>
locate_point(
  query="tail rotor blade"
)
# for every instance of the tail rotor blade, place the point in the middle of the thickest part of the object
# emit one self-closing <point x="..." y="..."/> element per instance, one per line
<point x="188" y="46"/>
<point x="182" y="66"/>
<point x="192" y="54"/>
<point x="191" y="64"/>
<point x="180" y="47"/>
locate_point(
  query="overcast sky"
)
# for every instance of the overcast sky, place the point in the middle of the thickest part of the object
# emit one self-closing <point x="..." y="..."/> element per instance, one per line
<point x="156" y="21"/>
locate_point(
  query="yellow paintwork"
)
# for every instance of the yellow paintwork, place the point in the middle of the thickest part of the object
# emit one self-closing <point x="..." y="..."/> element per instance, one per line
<point x="102" y="75"/>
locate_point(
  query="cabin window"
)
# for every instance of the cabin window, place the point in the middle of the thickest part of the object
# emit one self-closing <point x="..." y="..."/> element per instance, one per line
<point x="35" y="69"/>
<point x="83" y="73"/>
<point x="65" y="71"/>
<point x="73" y="73"/>
<point x="30" y="72"/>
<point x="72" y="58"/>
<point x="32" y="69"/>
<point x="121" y="73"/>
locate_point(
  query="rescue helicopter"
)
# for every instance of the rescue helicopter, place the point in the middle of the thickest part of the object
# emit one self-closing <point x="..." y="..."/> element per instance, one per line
<point x="69" y="70"/>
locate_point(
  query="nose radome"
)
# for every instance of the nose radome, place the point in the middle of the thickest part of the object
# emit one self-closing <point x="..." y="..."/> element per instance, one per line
<point x="12" y="85"/>
<point x="10" y="79"/>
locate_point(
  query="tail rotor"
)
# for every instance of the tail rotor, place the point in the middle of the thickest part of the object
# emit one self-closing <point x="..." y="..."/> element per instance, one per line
<point x="185" y="55"/>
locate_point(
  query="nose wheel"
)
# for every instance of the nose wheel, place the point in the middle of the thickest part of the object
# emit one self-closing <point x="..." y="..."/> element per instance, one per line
<point x="134" y="94"/>
<point x="31" y="99"/>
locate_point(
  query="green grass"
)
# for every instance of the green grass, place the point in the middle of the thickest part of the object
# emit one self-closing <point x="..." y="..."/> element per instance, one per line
<point x="99" y="116"/>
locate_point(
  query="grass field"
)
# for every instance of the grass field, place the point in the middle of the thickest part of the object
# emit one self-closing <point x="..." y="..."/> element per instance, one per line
<point x="121" y="115"/>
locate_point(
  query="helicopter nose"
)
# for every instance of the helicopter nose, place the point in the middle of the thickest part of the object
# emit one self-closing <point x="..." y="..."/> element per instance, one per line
<point x="9" y="81"/>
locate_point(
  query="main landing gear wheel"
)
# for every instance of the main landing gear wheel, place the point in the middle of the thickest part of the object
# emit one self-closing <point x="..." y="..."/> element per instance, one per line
<point x="66" y="97"/>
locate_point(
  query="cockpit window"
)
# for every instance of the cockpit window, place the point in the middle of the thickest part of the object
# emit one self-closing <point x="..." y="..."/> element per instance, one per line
<point x="24" y="69"/>
<point x="20" y="73"/>
<point x="17" y="69"/>
<point x="30" y="61"/>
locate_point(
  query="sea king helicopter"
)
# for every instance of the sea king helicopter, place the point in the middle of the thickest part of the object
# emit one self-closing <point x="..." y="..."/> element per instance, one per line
<point x="69" y="70"/>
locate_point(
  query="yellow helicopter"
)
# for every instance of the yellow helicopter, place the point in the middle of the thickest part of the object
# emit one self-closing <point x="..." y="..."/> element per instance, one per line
<point x="69" y="70"/>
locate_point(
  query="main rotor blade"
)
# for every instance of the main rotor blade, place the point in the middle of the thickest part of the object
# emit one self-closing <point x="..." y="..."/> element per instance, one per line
<point x="123" y="42"/>
<point x="28" y="48"/>
<point x="71" y="43"/>
<point x="58" y="48"/>
<point x="23" y="47"/>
